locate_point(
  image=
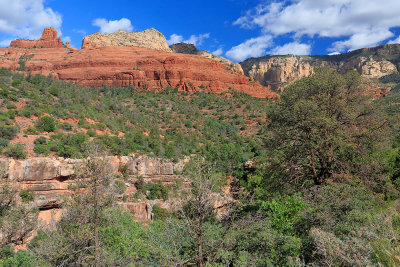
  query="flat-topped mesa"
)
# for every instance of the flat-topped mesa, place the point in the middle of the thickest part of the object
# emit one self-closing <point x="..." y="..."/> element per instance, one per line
<point x="47" y="40"/>
<point x="150" y="38"/>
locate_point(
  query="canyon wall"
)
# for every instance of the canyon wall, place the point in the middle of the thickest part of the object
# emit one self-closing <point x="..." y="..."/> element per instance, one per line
<point x="50" y="180"/>
<point x="279" y="71"/>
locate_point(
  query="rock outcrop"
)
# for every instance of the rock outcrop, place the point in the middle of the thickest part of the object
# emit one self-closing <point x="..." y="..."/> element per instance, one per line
<point x="50" y="179"/>
<point x="48" y="39"/>
<point x="279" y="71"/>
<point x="191" y="49"/>
<point x="150" y="38"/>
<point x="145" y="69"/>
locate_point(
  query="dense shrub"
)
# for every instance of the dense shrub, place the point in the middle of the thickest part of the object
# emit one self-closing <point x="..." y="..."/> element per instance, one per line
<point x="16" y="151"/>
<point x="157" y="191"/>
<point x="40" y="141"/>
<point x="26" y="195"/>
<point x="8" y="132"/>
<point x="159" y="213"/>
<point x="46" y="124"/>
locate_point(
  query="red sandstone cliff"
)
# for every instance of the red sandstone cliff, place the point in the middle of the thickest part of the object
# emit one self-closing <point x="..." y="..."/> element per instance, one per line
<point x="142" y="67"/>
<point x="48" y="39"/>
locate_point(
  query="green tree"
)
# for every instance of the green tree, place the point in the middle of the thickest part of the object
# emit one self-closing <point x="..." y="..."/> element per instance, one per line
<point x="76" y="240"/>
<point x="324" y="127"/>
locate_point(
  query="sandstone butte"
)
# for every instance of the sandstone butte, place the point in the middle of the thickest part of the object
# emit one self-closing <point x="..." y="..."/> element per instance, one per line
<point x="143" y="68"/>
<point x="48" y="39"/>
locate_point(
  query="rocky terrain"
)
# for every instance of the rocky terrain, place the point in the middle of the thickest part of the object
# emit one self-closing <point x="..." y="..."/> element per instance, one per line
<point x="48" y="39"/>
<point x="50" y="180"/>
<point x="143" y="68"/>
<point x="191" y="49"/>
<point x="279" y="71"/>
<point x="150" y="38"/>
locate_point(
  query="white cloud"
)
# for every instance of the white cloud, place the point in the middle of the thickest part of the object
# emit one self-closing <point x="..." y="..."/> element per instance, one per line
<point x="194" y="39"/>
<point x="362" y="23"/>
<point x="254" y="47"/>
<point x="294" y="48"/>
<point x="5" y="43"/>
<point x="363" y="39"/>
<point x="174" y="39"/>
<point x="111" y="26"/>
<point x="197" y="39"/>
<point x="218" y="52"/>
<point x="395" y="41"/>
<point x="66" y="39"/>
<point x="27" y="18"/>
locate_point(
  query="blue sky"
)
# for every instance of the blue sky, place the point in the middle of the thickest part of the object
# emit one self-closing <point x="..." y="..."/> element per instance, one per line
<point x="236" y="29"/>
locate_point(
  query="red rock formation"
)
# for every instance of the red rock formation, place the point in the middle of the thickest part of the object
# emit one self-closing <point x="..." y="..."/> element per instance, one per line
<point x="142" y="68"/>
<point x="48" y="39"/>
<point x="50" y="179"/>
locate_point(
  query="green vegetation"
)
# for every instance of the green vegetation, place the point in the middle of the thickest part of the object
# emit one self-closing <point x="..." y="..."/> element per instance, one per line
<point x="26" y="195"/>
<point x="314" y="175"/>
<point x="46" y="124"/>
<point x="16" y="151"/>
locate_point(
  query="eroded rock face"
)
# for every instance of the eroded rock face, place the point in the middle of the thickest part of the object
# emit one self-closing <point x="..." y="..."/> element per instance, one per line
<point x="48" y="39"/>
<point x="191" y="49"/>
<point x="50" y="180"/>
<point x="142" y="68"/>
<point x="370" y="67"/>
<point x="150" y="38"/>
<point x="280" y="71"/>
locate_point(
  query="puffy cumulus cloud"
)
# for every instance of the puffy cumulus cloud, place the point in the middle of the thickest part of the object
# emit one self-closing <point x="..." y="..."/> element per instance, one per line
<point x="363" y="39"/>
<point x="27" y="18"/>
<point x="294" y="48"/>
<point x="111" y="26"/>
<point x="174" y="39"/>
<point x="254" y="47"/>
<point x="218" y="52"/>
<point x="193" y="39"/>
<point x="361" y="23"/>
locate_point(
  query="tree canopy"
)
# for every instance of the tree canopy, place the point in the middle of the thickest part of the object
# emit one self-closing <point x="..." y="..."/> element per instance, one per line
<point x="324" y="127"/>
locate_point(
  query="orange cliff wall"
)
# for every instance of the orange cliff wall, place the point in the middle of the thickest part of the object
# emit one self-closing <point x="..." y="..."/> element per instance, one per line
<point x="143" y="68"/>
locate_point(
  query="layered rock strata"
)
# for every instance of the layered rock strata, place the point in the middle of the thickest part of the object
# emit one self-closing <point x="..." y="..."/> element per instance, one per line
<point x="143" y="68"/>
<point x="50" y="179"/>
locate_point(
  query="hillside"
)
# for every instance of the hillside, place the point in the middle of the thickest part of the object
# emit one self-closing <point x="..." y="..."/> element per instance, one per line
<point x="130" y="156"/>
